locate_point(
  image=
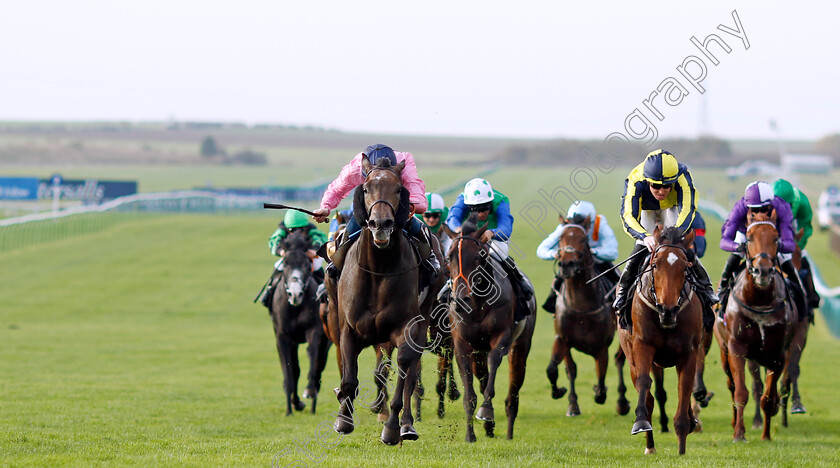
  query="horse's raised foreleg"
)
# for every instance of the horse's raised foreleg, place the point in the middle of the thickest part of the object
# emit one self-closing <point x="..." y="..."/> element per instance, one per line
<point x="770" y="400"/>
<point x="463" y="353"/>
<point x="640" y="372"/>
<point x="622" y="405"/>
<point x="481" y="373"/>
<point x="558" y="353"/>
<point x="684" y="422"/>
<point x="601" y="361"/>
<point x="494" y="359"/>
<point x="345" y="422"/>
<point x="757" y="390"/>
<point x="661" y="396"/>
<point x="402" y="428"/>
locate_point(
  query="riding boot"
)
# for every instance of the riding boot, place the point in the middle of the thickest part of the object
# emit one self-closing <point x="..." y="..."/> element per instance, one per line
<point x="808" y="281"/>
<point x="798" y="289"/>
<point x="443" y="294"/>
<point x="321" y="294"/>
<point x="337" y="257"/>
<point x="706" y="293"/>
<point x="550" y="304"/>
<point x="521" y="287"/>
<point x="625" y="282"/>
<point x="268" y="292"/>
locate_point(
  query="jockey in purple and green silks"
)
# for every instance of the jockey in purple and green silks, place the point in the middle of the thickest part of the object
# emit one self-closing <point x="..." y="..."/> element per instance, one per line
<point x="802" y="213"/>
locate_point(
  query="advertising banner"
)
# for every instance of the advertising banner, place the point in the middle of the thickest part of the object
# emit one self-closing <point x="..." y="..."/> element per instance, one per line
<point x="18" y="188"/>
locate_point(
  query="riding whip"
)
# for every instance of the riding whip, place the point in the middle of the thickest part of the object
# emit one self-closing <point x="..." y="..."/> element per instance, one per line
<point x="275" y="206"/>
<point x="617" y="265"/>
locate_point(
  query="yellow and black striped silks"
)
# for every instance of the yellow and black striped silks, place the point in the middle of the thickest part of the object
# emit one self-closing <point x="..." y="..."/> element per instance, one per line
<point x="661" y="167"/>
<point x="637" y="197"/>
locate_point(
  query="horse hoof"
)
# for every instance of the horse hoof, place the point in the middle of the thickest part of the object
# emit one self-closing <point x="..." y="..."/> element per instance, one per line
<point x="299" y="405"/>
<point x="573" y="411"/>
<point x="390" y="436"/>
<point x="407" y="432"/>
<point x="739" y="439"/>
<point x="700" y="396"/>
<point x="342" y="426"/>
<point x="310" y="394"/>
<point x="454" y="395"/>
<point x="797" y="408"/>
<point x="758" y="424"/>
<point x="600" y="396"/>
<point x="485" y="414"/>
<point x="441" y="413"/>
<point x="557" y="393"/>
<point x="705" y="401"/>
<point x="650" y="451"/>
<point x="641" y="426"/>
<point x="622" y="407"/>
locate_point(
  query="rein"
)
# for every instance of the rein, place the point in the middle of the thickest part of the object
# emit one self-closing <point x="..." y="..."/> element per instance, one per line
<point x="376" y="273"/>
<point x="460" y="264"/>
<point x="682" y="301"/>
<point x="753" y="271"/>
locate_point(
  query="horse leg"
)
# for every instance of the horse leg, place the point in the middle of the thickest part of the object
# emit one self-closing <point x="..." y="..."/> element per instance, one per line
<point x="441" y="384"/>
<point x="453" y="392"/>
<point x="701" y="394"/>
<point x="408" y="360"/>
<point x="380" y="376"/>
<point x="571" y="373"/>
<point x="284" y="350"/>
<point x="640" y="370"/>
<point x="683" y="419"/>
<point x="463" y="353"/>
<point x="622" y="405"/>
<point x="601" y="361"/>
<point x="558" y="352"/>
<point x="419" y="391"/>
<point x="770" y="400"/>
<point x="740" y="395"/>
<point x="494" y="359"/>
<point x="345" y="421"/>
<point x="757" y="390"/>
<point x="315" y="351"/>
<point x="796" y="349"/>
<point x="661" y="396"/>
<point x="481" y="373"/>
<point x="516" y="361"/>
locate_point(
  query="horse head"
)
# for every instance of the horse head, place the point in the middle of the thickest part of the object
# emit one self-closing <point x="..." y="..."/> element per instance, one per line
<point x="762" y="247"/>
<point x="468" y="260"/>
<point x="669" y="262"/>
<point x="297" y="266"/>
<point x="386" y="205"/>
<point x="573" y="254"/>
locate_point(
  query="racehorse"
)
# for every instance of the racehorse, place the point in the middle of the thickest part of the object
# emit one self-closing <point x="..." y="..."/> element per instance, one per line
<point x="294" y="313"/>
<point x="482" y="306"/>
<point x="790" y="378"/>
<point x="583" y="319"/>
<point x="758" y="324"/>
<point x="667" y="331"/>
<point x="377" y="297"/>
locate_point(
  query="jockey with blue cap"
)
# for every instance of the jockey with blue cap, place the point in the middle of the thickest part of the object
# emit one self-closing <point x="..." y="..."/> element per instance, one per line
<point x="602" y="243"/>
<point x="351" y="176"/>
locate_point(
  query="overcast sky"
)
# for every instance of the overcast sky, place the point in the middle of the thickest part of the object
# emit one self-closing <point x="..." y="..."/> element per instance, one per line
<point x="484" y="68"/>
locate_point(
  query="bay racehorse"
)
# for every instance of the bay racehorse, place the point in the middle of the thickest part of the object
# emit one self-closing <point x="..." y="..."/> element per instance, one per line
<point x="583" y="319"/>
<point x="790" y="377"/>
<point x="758" y="324"/>
<point x="294" y="314"/>
<point x="667" y="331"/>
<point x="482" y="305"/>
<point x="377" y="298"/>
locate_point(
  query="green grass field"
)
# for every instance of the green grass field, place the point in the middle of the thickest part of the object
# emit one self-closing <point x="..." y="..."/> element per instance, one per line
<point x="139" y="345"/>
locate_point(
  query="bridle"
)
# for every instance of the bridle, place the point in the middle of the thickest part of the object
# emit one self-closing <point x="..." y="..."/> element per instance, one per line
<point x="685" y="297"/>
<point x="381" y="200"/>
<point x="482" y="248"/>
<point x="754" y="271"/>
<point x="580" y="256"/>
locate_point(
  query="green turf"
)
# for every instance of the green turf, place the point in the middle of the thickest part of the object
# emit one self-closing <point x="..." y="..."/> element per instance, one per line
<point x="139" y="345"/>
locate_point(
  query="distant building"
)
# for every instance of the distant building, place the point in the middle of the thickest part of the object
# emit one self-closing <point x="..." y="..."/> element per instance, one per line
<point x="817" y="163"/>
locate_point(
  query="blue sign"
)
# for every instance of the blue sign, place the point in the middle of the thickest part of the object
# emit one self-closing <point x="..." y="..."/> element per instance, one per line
<point x="18" y="188"/>
<point x="89" y="191"/>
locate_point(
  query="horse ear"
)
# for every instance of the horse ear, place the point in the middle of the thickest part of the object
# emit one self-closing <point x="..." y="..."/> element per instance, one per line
<point x="359" y="209"/>
<point x="562" y="218"/>
<point x="773" y="215"/>
<point x="447" y="231"/>
<point x="366" y="165"/>
<point x="799" y="234"/>
<point x="399" y="167"/>
<point x="688" y="238"/>
<point x="480" y="232"/>
<point x="586" y="222"/>
<point x="657" y="233"/>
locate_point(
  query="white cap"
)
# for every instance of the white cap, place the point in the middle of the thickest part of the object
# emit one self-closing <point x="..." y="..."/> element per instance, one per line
<point x="478" y="191"/>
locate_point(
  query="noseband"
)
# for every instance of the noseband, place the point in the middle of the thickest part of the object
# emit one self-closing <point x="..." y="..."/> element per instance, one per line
<point x="754" y="271"/>
<point x="579" y="255"/>
<point x="683" y="300"/>
<point x="381" y="200"/>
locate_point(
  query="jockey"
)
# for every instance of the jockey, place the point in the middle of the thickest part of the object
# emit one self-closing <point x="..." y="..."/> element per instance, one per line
<point x="758" y="198"/>
<point x="800" y="208"/>
<point x="602" y="243"/>
<point x="434" y="218"/>
<point x="659" y="190"/>
<point x="493" y="210"/>
<point x="352" y="176"/>
<point x="293" y="221"/>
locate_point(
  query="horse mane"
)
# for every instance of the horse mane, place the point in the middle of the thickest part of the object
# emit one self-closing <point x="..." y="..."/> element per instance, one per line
<point x="383" y="162"/>
<point x="578" y="218"/>
<point x="671" y="236"/>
